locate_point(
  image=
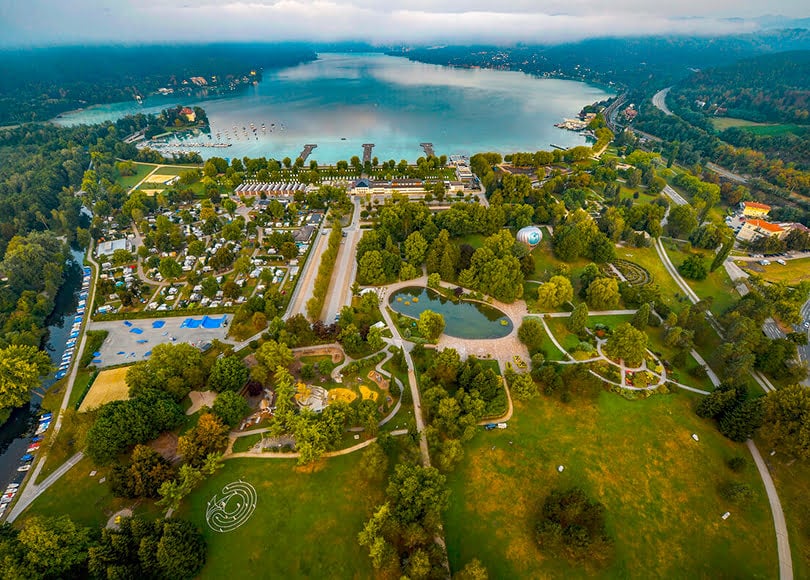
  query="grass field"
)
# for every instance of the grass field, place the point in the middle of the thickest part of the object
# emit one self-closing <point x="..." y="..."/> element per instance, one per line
<point x="717" y="284"/>
<point x="762" y="129"/>
<point x="108" y="386"/>
<point x="659" y="488"/>
<point x="793" y="271"/>
<point x="790" y="477"/>
<point x="648" y="258"/>
<point x="84" y="499"/>
<point x="141" y="171"/>
<point x="305" y="524"/>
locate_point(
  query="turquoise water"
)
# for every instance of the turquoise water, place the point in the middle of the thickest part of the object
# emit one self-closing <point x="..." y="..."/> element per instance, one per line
<point x="462" y="319"/>
<point x="341" y="101"/>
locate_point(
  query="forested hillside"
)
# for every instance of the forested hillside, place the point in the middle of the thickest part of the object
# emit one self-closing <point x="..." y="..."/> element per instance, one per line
<point x="772" y="88"/>
<point x="38" y="84"/>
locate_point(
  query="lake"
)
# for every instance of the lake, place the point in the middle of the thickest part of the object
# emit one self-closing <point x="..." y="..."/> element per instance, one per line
<point x="462" y="318"/>
<point x="341" y="101"/>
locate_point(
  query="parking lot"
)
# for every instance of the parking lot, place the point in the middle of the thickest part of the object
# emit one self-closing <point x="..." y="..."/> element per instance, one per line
<point x="133" y="341"/>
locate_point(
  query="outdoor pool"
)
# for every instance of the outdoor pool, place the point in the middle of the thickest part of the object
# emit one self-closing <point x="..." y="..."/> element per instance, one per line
<point x="462" y="319"/>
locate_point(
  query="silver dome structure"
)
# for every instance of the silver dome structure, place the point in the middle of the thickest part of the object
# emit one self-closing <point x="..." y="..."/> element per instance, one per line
<point x="530" y="235"/>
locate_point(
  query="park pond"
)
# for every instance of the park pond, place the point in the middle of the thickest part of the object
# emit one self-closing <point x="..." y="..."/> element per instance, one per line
<point x="462" y="318"/>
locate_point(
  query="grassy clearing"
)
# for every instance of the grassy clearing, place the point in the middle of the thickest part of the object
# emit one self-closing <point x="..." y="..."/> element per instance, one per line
<point x="648" y="258"/>
<point x="245" y="443"/>
<point x="790" y="477"/>
<point x="305" y="524"/>
<point x="717" y="284"/>
<point x="657" y="484"/>
<point x="723" y="123"/>
<point x="141" y="171"/>
<point x="792" y="272"/>
<point x="86" y="501"/>
<point x="684" y="374"/>
<point x="68" y="442"/>
<point x="110" y="385"/>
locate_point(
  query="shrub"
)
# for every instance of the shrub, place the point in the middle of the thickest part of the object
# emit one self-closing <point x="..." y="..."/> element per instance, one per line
<point x="737" y="464"/>
<point x="739" y="493"/>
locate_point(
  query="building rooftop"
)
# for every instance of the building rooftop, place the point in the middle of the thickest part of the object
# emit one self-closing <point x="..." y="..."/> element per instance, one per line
<point x="756" y="205"/>
<point x="767" y="226"/>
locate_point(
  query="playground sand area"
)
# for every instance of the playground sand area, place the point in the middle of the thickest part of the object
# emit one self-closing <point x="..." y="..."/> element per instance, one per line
<point x="110" y="385"/>
<point x="339" y="394"/>
<point x="368" y="393"/>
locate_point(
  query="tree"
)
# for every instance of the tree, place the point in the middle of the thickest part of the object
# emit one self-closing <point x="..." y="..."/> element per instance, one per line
<point x="627" y="343"/>
<point x="230" y="407"/>
<point x="120" y="424"/>
<point x="531" y="333"/>
<point x="786" y="420"/>
<point x="228" y="373"/>
<point x="717" y="403"/>
<point x="694" y="268"/>
<point x="578" y="320"/>
<point x="170" y="269"/>
<point x="180" y="550"/>
<point x="555" y="292"/>
<point x="271" y="356"/>
<point x="523" y="387"/>
<point x="370" y="269"/>
<point x="603" y="294"/>
<point x="682" y="221"/>
<point x="642" y="316"/>
<point x="372" y="536"/>
<point x="21" y="366"/>
<point x="415" y="248"/>
<point x="430" y="325"/>
<point x="210" y="435"/>
<point x="373" y="462"/>
<point x="740" y="423"/>
<point x="142" y="476"/>
<point x="575" y="524"/>
<point x="174" y="368"/>
<point x="54" y="547"/>
<point x="474" y="570"/>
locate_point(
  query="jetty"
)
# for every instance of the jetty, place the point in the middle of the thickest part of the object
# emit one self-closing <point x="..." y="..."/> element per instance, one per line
<point x="367" y="147"/>
<point x="306" y="151"/>
<point x="558" y="147"/>
<point x="428" y="149"/>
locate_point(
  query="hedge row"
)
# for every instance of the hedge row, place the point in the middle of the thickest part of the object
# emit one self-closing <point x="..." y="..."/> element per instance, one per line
<point x="327" y="265"/>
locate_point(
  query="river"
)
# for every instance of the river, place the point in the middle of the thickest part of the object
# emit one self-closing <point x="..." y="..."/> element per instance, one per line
<point x="16" y="433"/>
<point x="341" y="101"/>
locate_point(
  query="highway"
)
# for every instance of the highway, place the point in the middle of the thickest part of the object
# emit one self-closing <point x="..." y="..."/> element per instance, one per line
<point x="660" y="101"/>
<point x="340" y="293"/>
<point x="676" y="197"/>
<point x="726" y="173"/>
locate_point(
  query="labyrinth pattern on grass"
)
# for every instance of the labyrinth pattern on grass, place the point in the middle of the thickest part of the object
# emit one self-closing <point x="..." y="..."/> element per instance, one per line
<point x="636" y="275"/>
<point x="233" y="508"/>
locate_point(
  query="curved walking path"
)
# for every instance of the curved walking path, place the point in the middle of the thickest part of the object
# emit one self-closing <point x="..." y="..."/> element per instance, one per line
<point x="338" y="453"/>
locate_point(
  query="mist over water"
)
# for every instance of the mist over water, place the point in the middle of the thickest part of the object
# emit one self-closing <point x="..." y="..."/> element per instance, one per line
<point x="341" y="101"/>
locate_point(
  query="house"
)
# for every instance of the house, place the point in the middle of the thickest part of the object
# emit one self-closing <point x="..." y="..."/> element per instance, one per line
<point x="303" y="234"/>
<point x="109" y="247"/>
<point x="754" y="229"/>
<point x="189" y="114"/>
<point x="754" y="210"/>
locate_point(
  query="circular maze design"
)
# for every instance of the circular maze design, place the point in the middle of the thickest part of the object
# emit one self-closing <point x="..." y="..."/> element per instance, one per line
<point x="636" y="275"/>
<point x="233" y="508"/>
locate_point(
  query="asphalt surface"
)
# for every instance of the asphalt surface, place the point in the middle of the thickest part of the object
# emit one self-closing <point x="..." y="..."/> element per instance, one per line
<point x="121" y="340"/>
<point x="339" y="294"/>
<point x="306" y="283"/>
<point x="660" y="101"/>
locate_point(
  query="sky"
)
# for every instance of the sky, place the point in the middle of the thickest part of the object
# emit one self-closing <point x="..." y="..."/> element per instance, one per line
<point x="382" y="22"/>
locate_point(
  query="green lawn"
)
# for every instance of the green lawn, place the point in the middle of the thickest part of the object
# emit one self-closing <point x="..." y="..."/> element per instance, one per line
<point x="790" y="477"/>
<point x="648" y="258"/>
<point x="305" y="524"/>
<point x="717" y="284"/>
<point x="659" y="488"/>
<point x="763" y="129"/>
<point x="792" y="272"/>
<point x="84" y="499"/>
<point x="141" y="171"/>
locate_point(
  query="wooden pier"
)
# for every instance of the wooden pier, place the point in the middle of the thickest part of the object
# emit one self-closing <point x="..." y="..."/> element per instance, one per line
<point x="367" y="147"/>
<point x="428" y="149"/>
<point x="307" y="150"/>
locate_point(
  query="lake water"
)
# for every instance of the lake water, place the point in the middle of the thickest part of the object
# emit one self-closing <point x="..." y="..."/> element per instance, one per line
<point x="342" y="101"/>
<point x="462" y="319"/>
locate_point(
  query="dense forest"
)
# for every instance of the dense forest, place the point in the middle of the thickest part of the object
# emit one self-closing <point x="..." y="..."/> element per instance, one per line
<point x="771" y="88"/>
<point x="38" y="84"/>
<point x="635" y="63"/>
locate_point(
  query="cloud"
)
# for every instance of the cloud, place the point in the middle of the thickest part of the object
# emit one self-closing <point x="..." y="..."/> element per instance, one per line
<point x="416" y="21"/>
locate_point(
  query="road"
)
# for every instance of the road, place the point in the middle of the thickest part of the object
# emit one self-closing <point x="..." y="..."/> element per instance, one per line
<point x="306" y="282"/>
<point x="804" y="350"/>
<point x="726" y="173"/>
<point x="340" y="292"/>
<point x="676" y="197"/>
<point x="660" y="101"/>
